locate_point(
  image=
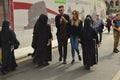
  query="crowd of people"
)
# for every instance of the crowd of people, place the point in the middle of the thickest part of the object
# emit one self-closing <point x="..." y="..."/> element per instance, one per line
<point x="88" y="34"/>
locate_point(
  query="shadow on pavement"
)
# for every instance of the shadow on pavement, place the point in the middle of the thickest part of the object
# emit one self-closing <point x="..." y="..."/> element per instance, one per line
<point x="55" y="71"/>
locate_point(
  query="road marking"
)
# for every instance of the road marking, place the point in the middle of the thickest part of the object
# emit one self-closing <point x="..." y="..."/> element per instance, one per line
<point x="117" y="76"/>
<point x="23" y="59"/>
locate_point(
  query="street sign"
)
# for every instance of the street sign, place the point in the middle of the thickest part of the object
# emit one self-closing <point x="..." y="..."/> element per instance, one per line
<point x="60" y="1"/>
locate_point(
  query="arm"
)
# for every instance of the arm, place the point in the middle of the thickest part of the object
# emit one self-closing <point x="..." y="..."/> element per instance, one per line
<point x="65" y="18"/>
<point x="57" y="21"/>
<point x="15" y="42"/>
<point x="80" y="28"/>
<point x="49" y="36"/>
<point x="34" y="36"/>
<point x="102" y="24"/>
<point x="95" y="36"/>
<point x="113" y="25"/>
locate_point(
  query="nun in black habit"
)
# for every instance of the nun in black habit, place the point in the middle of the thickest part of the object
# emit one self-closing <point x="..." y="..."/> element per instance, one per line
<point x="41" y="43"/>
<point x="8" y="42"/>
<point x="89" y="40"/>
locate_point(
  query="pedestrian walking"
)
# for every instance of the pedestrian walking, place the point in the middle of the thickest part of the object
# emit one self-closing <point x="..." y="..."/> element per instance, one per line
<point x="41" y="42"/>
<point x="8" y="42"/>
<point x="108" y="24"/>
<point x="116" y="32"/>
<point x="89" y="41"/>
<point x="75" y="27"/>
<point x="61" y="22"/>
<point x="98" y="25"/>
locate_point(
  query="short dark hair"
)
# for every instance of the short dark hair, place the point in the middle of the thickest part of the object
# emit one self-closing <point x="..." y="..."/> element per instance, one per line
<point x="61" y="6"/>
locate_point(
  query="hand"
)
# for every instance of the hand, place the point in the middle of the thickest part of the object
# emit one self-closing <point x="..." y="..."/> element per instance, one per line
<point x="62" y="17"/>
<point x="49" y="42"/>
<point x="118" y="28"/>
<point x="98" y="44"/>
<point x="79" y="40"/>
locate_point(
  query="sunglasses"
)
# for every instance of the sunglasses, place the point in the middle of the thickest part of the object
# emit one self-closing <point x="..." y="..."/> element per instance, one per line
<point x="74" y="13"/>
<point x="60" y="10"/>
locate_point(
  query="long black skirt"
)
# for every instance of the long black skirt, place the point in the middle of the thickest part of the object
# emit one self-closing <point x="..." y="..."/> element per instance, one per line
<point x="90" y="52"/>
<point x="8" y="60"/>
<point x="42" y="54"/>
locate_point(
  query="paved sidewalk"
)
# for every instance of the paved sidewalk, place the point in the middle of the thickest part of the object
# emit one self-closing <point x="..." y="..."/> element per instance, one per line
<point x="108" y="67"/>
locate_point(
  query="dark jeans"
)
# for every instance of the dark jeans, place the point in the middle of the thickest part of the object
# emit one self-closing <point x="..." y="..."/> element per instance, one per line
<point x="99" y="31"/>
<point x="62" y="48"/>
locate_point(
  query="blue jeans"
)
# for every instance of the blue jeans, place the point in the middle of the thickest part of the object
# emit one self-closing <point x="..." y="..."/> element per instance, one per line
<point x="74" y="45"/>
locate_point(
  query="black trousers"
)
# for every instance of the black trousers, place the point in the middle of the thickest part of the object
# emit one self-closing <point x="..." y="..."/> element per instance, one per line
<point x="62" y="48"/>
<point x="109" y="29"/>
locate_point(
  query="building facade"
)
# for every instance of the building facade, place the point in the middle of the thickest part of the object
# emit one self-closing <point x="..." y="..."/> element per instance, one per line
<point x="113" y="3"/>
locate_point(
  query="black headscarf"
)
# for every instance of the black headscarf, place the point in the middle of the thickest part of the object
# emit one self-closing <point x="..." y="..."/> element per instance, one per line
<point x="41" y="22"/>
<point x="43" y="19"/>
<point x="89" y="17"/>
<point x="5" y="33"/>
<point x="86" y="29"/>
<point x="5" y="25"/>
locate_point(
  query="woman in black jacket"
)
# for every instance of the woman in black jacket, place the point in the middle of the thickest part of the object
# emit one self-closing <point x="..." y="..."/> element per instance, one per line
<point x="89" y="40"/>
<point x="75" y="27"/>
<point x="41" y="43"/>
<point x="8" y="42"/>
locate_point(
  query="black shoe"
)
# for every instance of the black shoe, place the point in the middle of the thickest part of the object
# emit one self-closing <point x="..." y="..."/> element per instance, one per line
<point x="79" y="57"/>
<point x="115" y="50"/>
<point x="60" y="59"/>
<point x="87" y="67"/>
<point x="13" y="69"/>
<point x="64" y="62"/>
<point x="4" y="72"/>
<point x="46" y="64"/>
<point x="72" y="61"/>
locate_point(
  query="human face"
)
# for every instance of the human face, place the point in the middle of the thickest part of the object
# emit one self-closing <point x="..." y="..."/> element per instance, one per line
<point x="61" y="10"/>
<point x="97" y="16"/>
<point x="75" y="16"/>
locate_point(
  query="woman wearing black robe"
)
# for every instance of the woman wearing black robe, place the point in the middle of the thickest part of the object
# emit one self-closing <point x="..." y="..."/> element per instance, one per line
<point x="8" y="42"/>
<point x="42" y="41"/>
<point x="89" y="40"/>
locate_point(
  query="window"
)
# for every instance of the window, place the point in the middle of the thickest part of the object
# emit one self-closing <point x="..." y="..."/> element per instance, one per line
<point x="117" y="3"/>
<point x="111" y="3"/>
<point x="106" y="3"/>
